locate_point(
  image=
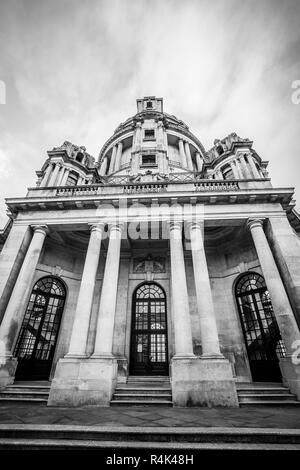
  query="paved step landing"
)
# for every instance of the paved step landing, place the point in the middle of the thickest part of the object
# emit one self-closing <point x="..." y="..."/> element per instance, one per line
<point x="265" y="394"/>
<point x="34" y="392"/>
<point x="143" y="391"/>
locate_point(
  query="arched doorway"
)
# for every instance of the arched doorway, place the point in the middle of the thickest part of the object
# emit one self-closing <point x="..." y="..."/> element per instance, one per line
<point x="262" y="336"/>
<point x="38" y="335"/>
<point x="149" y="347"/>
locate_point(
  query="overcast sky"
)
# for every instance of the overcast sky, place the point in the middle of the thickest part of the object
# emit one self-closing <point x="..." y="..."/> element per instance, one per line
<point x="73" y="70"/>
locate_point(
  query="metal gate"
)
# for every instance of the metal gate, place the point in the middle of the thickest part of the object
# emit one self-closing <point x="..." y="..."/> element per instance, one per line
<point x="262" y="336"/>
<point x="149" y="348"/>
<point x="38" y="335"/>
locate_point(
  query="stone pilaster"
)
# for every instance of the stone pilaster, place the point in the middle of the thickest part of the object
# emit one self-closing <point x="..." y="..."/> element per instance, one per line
<point x="199" y="161"/>
<point x="112" y="160"/>
<point x="182" y="153"/>
<point x="188" y="156"/>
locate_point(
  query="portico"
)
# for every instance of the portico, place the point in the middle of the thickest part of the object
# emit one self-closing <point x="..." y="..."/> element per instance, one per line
<point x="168" y="263"/>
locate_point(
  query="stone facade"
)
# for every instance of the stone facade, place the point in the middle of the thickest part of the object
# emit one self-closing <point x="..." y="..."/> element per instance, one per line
<point x="155" y="210"/>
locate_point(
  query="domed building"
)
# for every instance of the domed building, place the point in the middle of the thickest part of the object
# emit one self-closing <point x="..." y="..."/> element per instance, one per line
<point x="161" y="273"/>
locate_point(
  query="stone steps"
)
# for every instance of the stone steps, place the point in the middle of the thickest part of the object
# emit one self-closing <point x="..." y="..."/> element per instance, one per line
<point x="25" y="393"/>
<point x="260" y="394"/>
<point x="33" y="436"/>
<point x="143" y="391"/>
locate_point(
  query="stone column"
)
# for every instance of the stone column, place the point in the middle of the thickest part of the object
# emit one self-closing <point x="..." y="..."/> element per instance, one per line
<point x="118" y="156"/>
<point x="234" y="169"/>
<point x="112" y="160"/>
<point x="54" y="175"/>
<point x="46" y="175"/>
<point x="245" y="167"/>
<point x="282" y="309"/>
<point x="208" y="325"/>
<point x="11" y="259"/>
<point x="107" y="307"/>
<point x="103" y="167"/>
<point x="199" y="161"/>
<point x="65" y="177"/>
<point x="15" y="310"/>
<point x="188" y="156"/>
<point x="285" y="246"/>
<point x="182" y="153"/>
<point x="60" y="176"/>
<point x="205" y="381"/>
<point x="180" y="303"/>
<point x="80" y="328"/>
<point x="254" y="170"/>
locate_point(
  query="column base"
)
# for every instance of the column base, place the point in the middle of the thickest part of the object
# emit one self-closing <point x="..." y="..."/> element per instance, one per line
<point x="8" y="366"/>
<point x="290" y="374"/>
<point x="83" y="382"/>
<point x="203" y="382"/>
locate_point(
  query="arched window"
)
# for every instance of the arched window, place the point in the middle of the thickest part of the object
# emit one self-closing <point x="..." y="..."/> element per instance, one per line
<point x="79" y="157"/>
<point x="149" y="354"/>
<point x="227" y="172"/>
<point x="38" y="335"/>
<point x="72" y="179"/>
<point x="262" y="336"/>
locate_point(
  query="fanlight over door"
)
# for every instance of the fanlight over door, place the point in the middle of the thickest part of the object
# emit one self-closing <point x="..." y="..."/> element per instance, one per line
<point x="38" y="335"/>
<point x="262" y="336"/>
<point x="149" y="349"/>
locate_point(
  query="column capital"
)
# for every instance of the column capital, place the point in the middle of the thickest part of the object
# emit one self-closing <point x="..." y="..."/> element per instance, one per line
<point x="195" y="224"/>
<point x="97" y="227"/>
<point x="40" y="229"/>
<point x="175" y="225"/>
<point x="116" y="226"/>
<point x="252" y="223"/>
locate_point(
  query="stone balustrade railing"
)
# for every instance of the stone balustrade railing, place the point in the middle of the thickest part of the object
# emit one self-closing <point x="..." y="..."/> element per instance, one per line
<point x="147" y="187"/>
<point x="216" y="186"/>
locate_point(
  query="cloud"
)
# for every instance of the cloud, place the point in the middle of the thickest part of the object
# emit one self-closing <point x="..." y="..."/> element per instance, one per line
<point x="74" y="69"/>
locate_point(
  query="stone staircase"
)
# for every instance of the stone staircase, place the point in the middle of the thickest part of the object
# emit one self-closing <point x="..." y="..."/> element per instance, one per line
<point x="26" y="392"/>
<point x="265" y="394"/>
<point x="143" y="391"/>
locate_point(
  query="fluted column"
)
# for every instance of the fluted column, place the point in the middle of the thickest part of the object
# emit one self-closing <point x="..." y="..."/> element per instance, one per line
<point x="16" y="307"/>
<point x="254" y="170"/>
<point x="118" y="156"/>
<point x="65" y="177"/>
<point x="282" y="309"/>
<point x="180" y="303"/>
<point x="54" y="175"/>
<point x="103" y="167"/>
<point x="46" y="175"/>
<point x="112" y="159"/>
<point x="199" y="161"/>
<point x="107" y="307"/>
<point x="208" y="325"/>
<point x="182" y="153"/>
<point x="80" y="328"/>
<point x="188" y="156"/>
